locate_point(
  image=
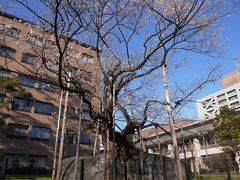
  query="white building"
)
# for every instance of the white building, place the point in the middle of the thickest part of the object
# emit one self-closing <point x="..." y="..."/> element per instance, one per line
<point x="195" y="139"/>
<point x="209" y="106"/>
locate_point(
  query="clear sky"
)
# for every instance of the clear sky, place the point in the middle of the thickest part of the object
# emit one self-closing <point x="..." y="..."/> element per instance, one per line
<point x="197" y="64"/>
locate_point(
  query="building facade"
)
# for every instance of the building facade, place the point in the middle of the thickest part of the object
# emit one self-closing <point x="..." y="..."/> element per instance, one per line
<point x="30" y="124"/>
<point x="229" y="96"/>
<point x="196" y="143"/>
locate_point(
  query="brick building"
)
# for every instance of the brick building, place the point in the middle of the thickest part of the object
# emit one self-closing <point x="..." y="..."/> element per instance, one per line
<point x="30" y="127"/>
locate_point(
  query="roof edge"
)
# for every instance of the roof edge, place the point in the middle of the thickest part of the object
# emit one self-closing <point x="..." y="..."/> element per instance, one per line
<point x="13" y="17"/>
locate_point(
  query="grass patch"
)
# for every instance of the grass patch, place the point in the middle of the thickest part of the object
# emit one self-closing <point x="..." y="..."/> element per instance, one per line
<point x="27" y="177"/>
<point x="218" y="177"/>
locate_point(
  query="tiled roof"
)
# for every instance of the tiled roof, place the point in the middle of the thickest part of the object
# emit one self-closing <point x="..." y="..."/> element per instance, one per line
<point x="177" y="123"/>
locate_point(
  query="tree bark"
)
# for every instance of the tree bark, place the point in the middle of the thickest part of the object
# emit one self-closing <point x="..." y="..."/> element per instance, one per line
<point x="171" y="124"/>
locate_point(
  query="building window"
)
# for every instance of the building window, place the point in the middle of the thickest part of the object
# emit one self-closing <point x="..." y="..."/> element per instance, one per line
<point x="73" y="53"/>
<point x="231" y="93"/>
<point x="86" y="58"/>
<point x="4" y="72"/>
<point x="51" y="45"/>
<point x="52" y="66"/>
<point x="31" y="82"/>
<point x="235" y="104"/>
<point x="43" y="108"/>
<point x="70" y="112"/>
<point x="7" y="52"/>
<point x="233" y="98"/>
<point x="67" y="136"/>
<point x="28" y="81"/>
<point x="35" y="161"/>
<point x="85" y="139"/>
<point x="15" y="160"/>
<point x="9" y="31"/>
<point x="17" y="130"/>
<point x="22" y="104"/>
<point x="40" y="133"/>
<point x="28" y="58"/>
<point x="223" y="101"/>
<point x="33" y="39"/>
<point x="87" y="76"/>
<point x="85" y="115"/>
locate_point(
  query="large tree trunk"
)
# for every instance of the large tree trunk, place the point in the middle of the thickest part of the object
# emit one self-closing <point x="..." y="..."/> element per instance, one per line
<point x="171" y="124"/>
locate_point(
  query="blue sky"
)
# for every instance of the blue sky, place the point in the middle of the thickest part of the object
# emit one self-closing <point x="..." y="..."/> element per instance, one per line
<point x="197" y="64"/>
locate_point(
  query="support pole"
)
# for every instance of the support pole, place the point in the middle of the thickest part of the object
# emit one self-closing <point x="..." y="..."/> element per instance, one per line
<point x="78" y="139"/>
<point x="159" y="147"/>
<point x="113" y="144"/>
<point x="106" y="153"/>
<point x="142" y="150"/>
<point x="57" y="137"/>
<point x="62" y="135"/>
<point x="184" y="153"/>
<point x="171" y="123"/>
<point x="96" y="138"/>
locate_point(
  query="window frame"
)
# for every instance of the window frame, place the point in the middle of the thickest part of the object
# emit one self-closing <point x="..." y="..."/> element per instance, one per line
<point x="45" y="103"/>
<point x="28" y="55"/>
<point x="6" y="55"/>
<point x="21" y="98"/>
<point x="17" y="135"/>
<point x="39" y="84"/>
<point x="84" y="115"/>
<point x="5" y="31"/>
<point x="84" y="135"/>
<point x="87" y="58"/>
<point x="2" y="74"/>
<point x="39" y="138"/>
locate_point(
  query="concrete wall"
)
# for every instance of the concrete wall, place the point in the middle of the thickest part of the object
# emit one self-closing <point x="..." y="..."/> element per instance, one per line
<point x="93" y="168"/>
<point x="231" y="79"/>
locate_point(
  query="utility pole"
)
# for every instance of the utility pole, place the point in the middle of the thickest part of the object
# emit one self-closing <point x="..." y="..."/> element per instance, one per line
<point x="57" y="137"/>
<point x="171" y="124"/>
<point x="78" y="138"/>
<point x="62" y="135"/>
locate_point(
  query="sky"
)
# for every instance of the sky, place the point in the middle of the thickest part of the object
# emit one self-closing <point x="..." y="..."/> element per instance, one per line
<point x="230" y="37"/>
<point x="197" y="64"/>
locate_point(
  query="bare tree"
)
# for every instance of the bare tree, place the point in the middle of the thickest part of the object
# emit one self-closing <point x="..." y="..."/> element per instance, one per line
<point x="132" y="40"/>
